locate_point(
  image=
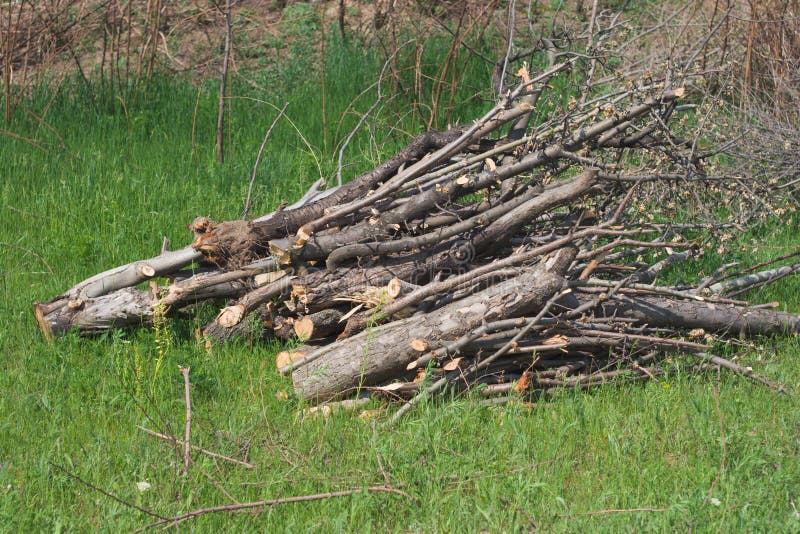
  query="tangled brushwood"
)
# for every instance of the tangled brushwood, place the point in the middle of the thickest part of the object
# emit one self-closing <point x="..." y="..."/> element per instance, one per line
<point x="511" y="256"/>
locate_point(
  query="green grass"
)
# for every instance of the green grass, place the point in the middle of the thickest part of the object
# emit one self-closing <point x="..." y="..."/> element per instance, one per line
<point x="679" y="446"/>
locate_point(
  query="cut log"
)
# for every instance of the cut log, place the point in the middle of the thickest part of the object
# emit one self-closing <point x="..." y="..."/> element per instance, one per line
<point x="378" y="354"/>
<point x="712" y="317"/>
<point x="397" y="287"/>
<point x="387" y="223"/>
<point x="249" y="329"/>
<point x="124" y="308"/>
<point x="53" y="320"/>
<point x="320" y="290"/>
<point x="500" y="221"/>
<point x="419" y="345"/>
<point x="319" y="325"/>
<point x="236" y="243"/>
<point x="234" y="312"/>
<point x="133" y="273"/>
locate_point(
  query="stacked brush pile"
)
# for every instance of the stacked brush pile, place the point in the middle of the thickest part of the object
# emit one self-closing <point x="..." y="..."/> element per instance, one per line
<point x="515" y="255"/>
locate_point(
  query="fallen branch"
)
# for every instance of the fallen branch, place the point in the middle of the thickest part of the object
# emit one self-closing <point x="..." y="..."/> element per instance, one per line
<point x="187" y="447"/>
<point x="175" y="441"/>
<point x="261" y="506"/>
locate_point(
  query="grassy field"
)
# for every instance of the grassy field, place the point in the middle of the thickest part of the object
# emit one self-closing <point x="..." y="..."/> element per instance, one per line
<point x="690" y="453"/>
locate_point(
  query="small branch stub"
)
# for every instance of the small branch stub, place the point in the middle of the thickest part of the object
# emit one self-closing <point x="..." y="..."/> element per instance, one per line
<point x="146" y="270"/>
<point x="302" y="236"/>
<point x="394" y="287"/>
<point x="267" y="278"/>
<point x="419" y="345"/>
<point x="452" y="365"/>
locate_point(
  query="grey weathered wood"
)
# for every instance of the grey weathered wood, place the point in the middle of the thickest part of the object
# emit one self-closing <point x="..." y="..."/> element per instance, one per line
<point x="379" y="353"/>
<point x="129" y="307"/>
<point x="319" y="290"/>
<point x="239" y="242"/>
<point x="319" y="325"/>
<point x="712" y="317"/>
<point x="753" y="279"/>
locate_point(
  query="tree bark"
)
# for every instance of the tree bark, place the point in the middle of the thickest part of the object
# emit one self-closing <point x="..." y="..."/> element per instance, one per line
<point x="319" y="290"/>
<point x="377" y="354"/>
<point x="124" y="308"/>
<point x="235" y="243"/>
<point x="129" y="307"/>
<point x="319" y="325"/>
<point x="712" y="317"/>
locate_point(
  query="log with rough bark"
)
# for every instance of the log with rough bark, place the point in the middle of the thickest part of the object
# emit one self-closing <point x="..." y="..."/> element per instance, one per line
<point x="107" y="300"/>
<point x="241" y="242"/>
<point x="710" y="316"/>
<point x="380" y="353"/>
<point x="130" y="307"/>
<point x="319" y="325"/>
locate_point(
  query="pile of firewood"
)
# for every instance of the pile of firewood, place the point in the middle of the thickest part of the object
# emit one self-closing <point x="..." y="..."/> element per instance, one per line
<point x="503" y="256"/>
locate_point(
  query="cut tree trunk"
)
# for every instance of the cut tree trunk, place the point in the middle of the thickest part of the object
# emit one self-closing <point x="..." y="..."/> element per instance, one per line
<point x="128" y="307"/>
<point x="320" y="290"/>
<point x="375" y="355"/>
<point x="123" y="308"/>
<point x="234" y="243"/>
<point x="319" y="325"/>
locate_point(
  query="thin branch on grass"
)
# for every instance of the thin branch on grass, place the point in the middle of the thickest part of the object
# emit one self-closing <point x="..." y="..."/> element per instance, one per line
<point x="32" y="142"/>
<point x="108" y="494"/>
<point x="723" y="446"/>
<point x="378" y="100"/>
<point x="262" y="506"/>
<point x="509" y="47"/>
<point x="178" y="443"/>
<point x="341" y="11"/>
<point x="744" y="371"/>
<point x="187" y="447"/>
<point x="29" y="251"/>
<point x="617" y="511"/>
